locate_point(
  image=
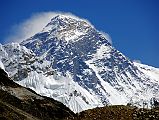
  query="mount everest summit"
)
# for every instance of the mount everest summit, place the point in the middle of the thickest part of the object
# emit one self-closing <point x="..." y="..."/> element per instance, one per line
<point x="72" y="62"/>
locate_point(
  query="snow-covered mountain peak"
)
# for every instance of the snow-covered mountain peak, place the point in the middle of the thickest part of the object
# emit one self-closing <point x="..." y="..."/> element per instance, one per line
<point x="67" y="27"/>
<point x="64" y="20"/>
<point x="64" y="31"/>
<point x="92" y="71"/>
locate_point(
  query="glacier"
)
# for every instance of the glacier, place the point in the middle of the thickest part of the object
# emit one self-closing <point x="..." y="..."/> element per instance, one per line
<point x="72" y="62"/>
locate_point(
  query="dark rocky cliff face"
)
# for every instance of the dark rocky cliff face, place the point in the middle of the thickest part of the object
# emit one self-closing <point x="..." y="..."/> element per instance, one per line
<point x="17" y="102"/>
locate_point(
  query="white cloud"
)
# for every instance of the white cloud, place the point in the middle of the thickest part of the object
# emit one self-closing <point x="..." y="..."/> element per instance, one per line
<point x="137" y="61"/>
<point x="107" y="36"/>
<point x="29" y="27"/>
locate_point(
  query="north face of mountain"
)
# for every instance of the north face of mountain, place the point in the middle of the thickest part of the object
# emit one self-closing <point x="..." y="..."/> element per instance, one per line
<point x="74" y="63"/>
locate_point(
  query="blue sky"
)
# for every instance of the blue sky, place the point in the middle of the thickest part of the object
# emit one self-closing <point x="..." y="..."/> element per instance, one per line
<point x="132" y="24"/>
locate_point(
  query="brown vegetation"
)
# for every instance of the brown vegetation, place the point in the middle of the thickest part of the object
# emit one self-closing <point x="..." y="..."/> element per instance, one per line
<point x="119" y="112"/>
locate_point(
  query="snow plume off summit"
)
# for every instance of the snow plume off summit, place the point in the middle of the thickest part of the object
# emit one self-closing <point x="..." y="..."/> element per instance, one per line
<point x="72" y="62"/>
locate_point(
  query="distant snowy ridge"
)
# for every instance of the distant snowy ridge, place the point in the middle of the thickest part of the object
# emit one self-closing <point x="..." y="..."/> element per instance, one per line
<point x="72" y="62"/>
<point x="152" y="72"/>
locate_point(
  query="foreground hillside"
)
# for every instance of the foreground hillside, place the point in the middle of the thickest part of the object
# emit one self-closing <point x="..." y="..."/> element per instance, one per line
<point x="119" y="113"/>
<point x="19" y="103"/>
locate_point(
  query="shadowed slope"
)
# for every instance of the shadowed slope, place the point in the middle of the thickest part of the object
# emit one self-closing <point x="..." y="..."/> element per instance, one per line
<point x="17" y="102"/>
